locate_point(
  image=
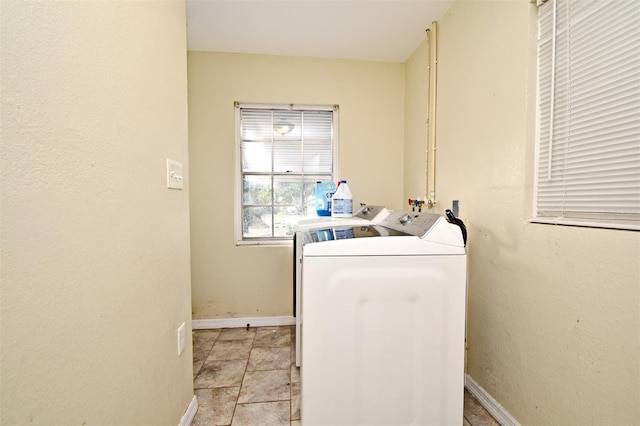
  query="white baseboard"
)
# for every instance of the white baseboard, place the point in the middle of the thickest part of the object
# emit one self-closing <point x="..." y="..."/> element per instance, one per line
<point x="190" y="413"/>
<point x="203" y="324"/>
<point x="501" y="415"/>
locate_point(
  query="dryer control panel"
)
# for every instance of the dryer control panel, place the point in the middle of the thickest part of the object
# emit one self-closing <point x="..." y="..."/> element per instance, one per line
<point x="412" y="223"/>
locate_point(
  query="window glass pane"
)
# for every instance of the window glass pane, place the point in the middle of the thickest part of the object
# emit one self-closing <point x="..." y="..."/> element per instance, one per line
<point x="318" y="126"/>
<point x="256" y="222"/>
<point x="256" y="124"/>
<point x="285" y="220"/>
<point x="287" y="157"/>
<point x="256" y="189"/>
<point x="256" y="157"/>
<point x="288" y="192"/>
<point x="284" y="119"/>
<point x="317" y="157"/>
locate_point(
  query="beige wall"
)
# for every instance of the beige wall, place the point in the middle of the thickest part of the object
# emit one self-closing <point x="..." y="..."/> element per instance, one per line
<point x="95" y="249"/>
<point x="553" y="312"/>
<point x="232" y="281"/>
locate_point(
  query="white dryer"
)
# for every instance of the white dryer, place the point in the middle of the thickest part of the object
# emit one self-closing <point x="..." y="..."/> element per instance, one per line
<point x="324" y="228"/>
<point x="384" y="323"/>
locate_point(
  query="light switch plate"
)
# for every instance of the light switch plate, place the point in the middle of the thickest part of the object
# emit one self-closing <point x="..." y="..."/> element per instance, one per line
<point x="174" y="174"/>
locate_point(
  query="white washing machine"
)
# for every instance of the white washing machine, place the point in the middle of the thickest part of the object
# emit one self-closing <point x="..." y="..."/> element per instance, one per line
<point x="322" y="228"/>
<point x="384" y="323"/>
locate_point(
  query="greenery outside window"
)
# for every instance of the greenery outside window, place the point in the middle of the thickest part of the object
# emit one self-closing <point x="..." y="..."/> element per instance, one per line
<point x="283" y="150"/>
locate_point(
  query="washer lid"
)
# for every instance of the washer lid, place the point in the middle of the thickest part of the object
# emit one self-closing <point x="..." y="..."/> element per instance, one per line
<point x="346" y="232"/>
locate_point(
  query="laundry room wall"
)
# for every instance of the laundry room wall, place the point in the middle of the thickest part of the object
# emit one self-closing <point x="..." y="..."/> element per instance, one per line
<point x="95" y="248"/>
<point x="553" y="312"/>
<point x="256" y="281"/>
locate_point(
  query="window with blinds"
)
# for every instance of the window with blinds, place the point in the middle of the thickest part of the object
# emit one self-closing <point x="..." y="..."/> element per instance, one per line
<point x="588" y="147"/>
<point x="283" y="151"/>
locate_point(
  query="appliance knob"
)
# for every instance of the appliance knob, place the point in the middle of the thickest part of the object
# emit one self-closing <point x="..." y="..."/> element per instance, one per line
<point x="404" y="219"/>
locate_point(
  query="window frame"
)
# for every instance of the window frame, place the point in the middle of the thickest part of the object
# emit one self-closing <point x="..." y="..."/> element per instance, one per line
<point x="238" y="190"/>
<point x="606" y="217"/>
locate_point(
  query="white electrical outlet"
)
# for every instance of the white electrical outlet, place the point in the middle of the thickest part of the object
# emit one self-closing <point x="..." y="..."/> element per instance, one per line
<point x="174" y="174"/>
<point x="182" y="338"/>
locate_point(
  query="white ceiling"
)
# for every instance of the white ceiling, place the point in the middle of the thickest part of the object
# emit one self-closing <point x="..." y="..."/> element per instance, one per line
<point x="374" y="30"/>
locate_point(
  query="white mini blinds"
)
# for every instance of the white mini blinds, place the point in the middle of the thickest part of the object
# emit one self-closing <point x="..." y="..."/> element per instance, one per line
<point x="293" y="147"/>
<point x="588" y="151"/>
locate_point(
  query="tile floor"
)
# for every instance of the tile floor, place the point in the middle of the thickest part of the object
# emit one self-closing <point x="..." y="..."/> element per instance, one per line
<point x="248" y="377"/>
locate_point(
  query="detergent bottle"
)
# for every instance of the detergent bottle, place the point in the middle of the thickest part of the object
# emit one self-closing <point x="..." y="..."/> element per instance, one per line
<point x="324" y="192"/>
<point x="342" y="201"/>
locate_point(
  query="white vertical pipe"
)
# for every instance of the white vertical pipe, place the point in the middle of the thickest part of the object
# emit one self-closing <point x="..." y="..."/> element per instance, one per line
<point x="433" y="96"/>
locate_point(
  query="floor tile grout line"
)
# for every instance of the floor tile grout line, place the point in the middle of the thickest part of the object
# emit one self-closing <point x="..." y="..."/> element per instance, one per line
<point x="206" y="357"/>
<point x="235" y="407"/>
<point x="263" y="402"/>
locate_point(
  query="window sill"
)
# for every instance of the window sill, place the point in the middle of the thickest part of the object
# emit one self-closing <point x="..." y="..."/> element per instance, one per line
<point x="265" y="243"/>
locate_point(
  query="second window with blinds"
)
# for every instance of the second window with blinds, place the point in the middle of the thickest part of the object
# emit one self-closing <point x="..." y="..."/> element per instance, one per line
<point x="282" y="151"/>
<point x="588" y="153"/>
